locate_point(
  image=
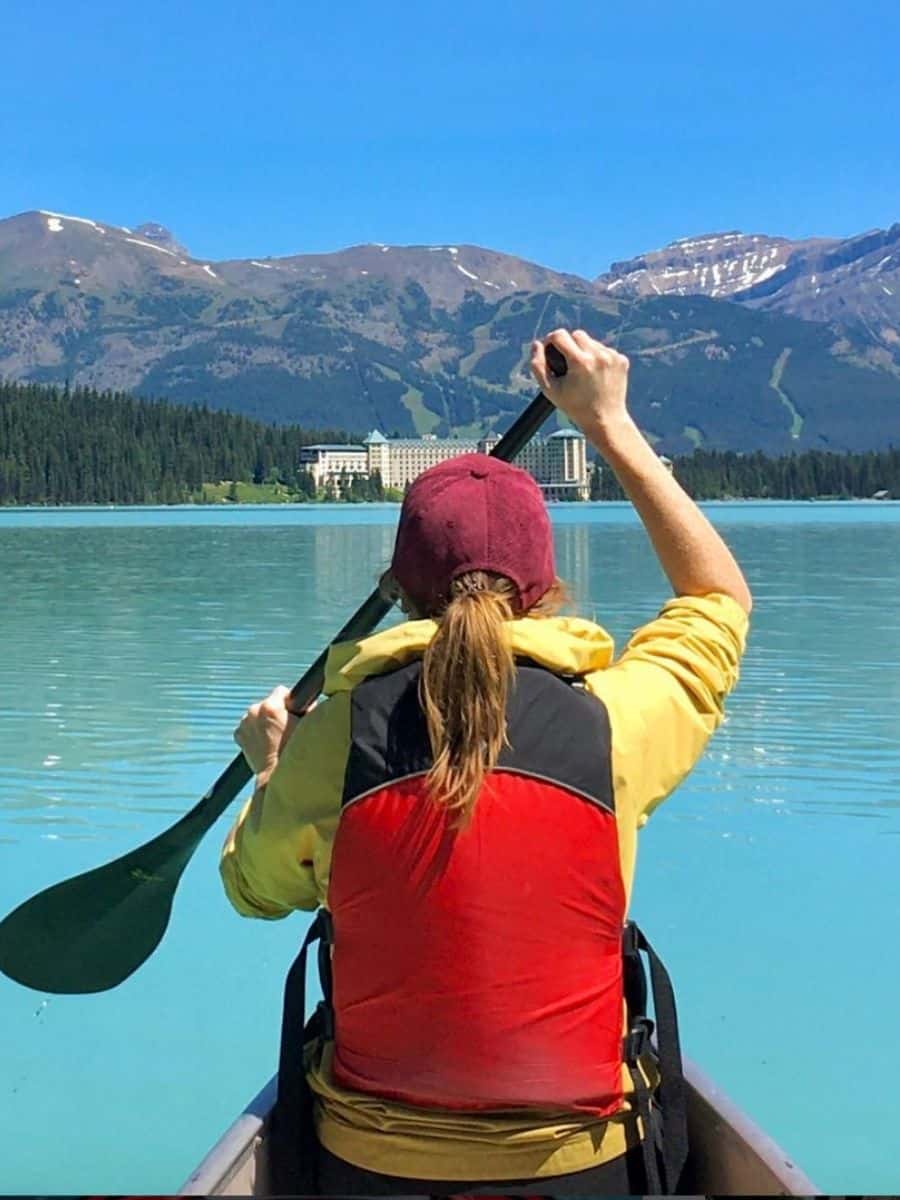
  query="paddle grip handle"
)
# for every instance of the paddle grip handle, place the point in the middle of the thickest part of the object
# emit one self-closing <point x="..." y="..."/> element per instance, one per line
<point x="556" y="360"/>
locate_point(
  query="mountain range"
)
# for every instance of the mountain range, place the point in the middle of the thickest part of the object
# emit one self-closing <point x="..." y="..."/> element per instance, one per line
<point x="737" y="341"/>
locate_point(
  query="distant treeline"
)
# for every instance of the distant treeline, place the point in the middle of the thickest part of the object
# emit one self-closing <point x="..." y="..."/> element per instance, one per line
<point x="80" y="446"/>
<point x="814" y="474"/>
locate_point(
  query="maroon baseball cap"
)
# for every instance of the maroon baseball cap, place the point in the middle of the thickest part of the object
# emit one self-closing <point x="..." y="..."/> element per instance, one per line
<point x="473" y="513"/>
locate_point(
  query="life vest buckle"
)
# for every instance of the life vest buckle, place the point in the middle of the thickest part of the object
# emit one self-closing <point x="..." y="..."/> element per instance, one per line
<point x="637" y="1039"/>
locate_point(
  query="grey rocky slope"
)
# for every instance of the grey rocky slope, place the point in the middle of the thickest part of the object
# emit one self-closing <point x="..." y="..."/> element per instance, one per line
<point x="852" y="283"/>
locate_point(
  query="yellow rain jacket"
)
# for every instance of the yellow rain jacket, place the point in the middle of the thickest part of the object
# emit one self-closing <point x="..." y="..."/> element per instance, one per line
<point x="664" y="696"/>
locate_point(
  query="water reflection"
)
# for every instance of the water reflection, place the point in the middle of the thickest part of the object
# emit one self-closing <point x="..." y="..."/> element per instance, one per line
<point x="128" y="653"/>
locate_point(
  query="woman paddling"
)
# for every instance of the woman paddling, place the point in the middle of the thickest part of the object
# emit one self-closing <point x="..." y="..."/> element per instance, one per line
<point x="466" y="803"/>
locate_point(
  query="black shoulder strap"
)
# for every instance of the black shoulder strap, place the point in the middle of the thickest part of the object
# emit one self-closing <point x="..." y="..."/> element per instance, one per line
<point x="671" y="1094"/>
<point x="293" y="1135"/>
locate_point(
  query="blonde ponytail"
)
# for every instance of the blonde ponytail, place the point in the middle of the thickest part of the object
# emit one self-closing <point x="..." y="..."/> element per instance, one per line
<point x="467" y="672"/>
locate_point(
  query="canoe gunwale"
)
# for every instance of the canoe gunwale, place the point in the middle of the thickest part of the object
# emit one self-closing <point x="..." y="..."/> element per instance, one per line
<point x="233" y="1148"/>
<point x="707" y="1101"/>
<point x="754" y="1161"/>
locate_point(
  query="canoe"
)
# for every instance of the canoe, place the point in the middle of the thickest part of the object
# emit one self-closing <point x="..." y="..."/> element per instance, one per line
<point x="730" y="1154"/>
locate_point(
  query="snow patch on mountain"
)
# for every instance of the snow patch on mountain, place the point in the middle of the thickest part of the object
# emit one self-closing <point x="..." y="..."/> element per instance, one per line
<point x="45" y="212"/>
<point x="151" y="246"/>
<point x="712" y="265"/>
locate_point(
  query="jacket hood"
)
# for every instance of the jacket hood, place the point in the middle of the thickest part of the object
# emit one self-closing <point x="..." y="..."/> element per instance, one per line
<point x="565" y="645"/>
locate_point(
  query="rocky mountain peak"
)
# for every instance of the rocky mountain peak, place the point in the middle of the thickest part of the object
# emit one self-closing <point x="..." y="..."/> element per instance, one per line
<point x="711" y="264"/>
<point x="151" y="231"/>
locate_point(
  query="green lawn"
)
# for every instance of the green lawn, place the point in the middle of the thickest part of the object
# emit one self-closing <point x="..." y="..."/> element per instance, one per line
<point x="246" y="493"/>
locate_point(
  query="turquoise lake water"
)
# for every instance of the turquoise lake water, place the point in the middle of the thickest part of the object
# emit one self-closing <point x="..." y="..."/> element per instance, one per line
<point x="131" y="642"/>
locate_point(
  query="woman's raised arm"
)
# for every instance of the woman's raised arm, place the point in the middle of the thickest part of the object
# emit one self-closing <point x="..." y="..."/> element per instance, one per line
<point x="593" y="394"/>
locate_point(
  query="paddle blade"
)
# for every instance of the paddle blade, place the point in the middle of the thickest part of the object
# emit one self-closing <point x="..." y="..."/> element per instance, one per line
<point x="89" y="933"/>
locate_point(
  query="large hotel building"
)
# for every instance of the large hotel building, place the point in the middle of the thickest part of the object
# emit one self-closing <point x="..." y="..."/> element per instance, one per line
<point x="558" y="462"/>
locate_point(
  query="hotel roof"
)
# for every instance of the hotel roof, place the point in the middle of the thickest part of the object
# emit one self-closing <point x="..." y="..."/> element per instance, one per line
<point x="567" y="433"/>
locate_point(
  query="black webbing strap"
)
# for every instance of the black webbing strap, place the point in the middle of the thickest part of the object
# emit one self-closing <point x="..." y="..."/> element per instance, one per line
<point x="293" y="1157"/>
<point x="649" y="1125"/>
<point x="671" y="1091"/>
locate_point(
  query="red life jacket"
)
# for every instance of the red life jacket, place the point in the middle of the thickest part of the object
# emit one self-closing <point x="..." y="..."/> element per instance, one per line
<point x="482" y="968"/>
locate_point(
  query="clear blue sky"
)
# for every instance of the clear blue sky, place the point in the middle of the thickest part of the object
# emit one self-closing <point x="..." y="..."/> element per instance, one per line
<point x="572" y="133"/>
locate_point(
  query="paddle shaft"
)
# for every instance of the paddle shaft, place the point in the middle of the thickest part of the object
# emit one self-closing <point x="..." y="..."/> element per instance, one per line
<point x="89" y="933"/>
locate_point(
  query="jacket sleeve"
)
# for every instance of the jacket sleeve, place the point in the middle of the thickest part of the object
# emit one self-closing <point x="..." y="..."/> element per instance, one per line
<point x="666" y="694"/>
<point x="277" y="855"/>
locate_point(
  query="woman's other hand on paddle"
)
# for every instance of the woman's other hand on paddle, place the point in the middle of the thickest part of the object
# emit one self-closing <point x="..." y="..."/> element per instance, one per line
<point x="593" y="392"/>
<point x="265" y="728"/>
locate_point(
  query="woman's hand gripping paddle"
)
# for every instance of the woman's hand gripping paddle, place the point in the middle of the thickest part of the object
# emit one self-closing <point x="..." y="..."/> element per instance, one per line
<point x="89" y="933"/>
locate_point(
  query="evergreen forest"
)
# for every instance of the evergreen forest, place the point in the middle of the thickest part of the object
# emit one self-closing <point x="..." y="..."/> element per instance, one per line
<point x="812" y="475"/>
<point x="81" y="446"/>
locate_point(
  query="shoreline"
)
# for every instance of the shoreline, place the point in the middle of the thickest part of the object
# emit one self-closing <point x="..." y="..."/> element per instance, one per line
<point x="344" y="505"/>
